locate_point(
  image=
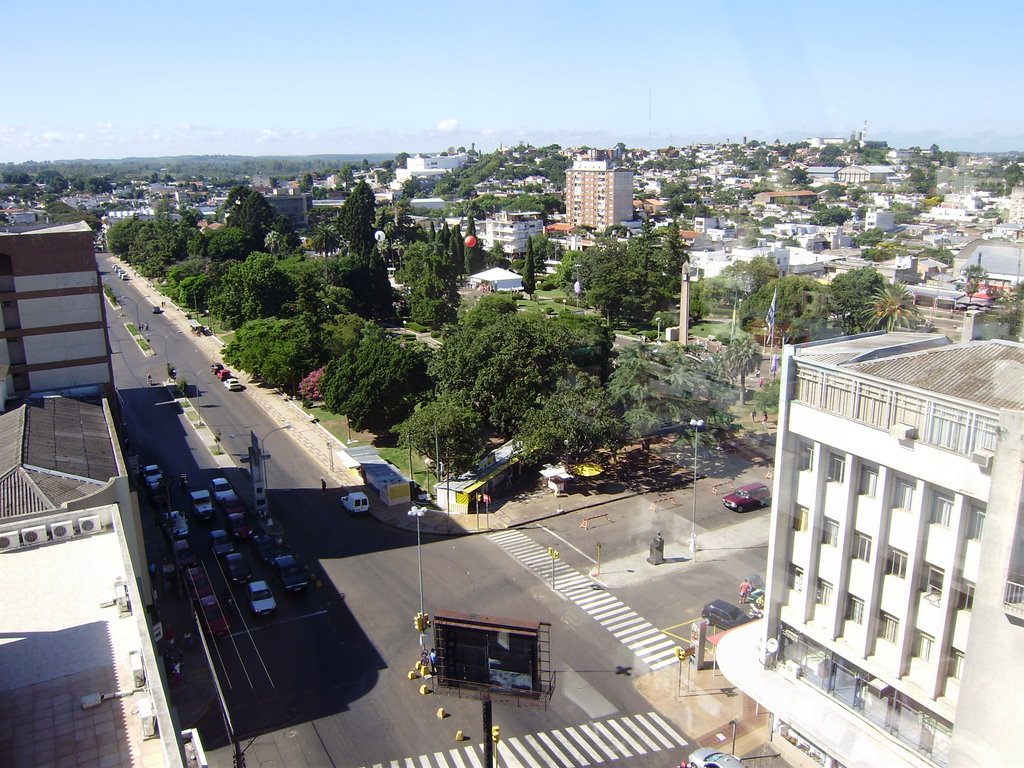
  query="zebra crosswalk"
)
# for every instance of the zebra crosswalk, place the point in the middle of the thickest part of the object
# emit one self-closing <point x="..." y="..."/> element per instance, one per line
<point x="576" y="746"/>
<point x="650" y="645"/>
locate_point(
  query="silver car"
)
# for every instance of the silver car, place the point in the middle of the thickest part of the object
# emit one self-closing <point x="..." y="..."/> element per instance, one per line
<point x="261" y="599"/>
<point x="710" y="757"/>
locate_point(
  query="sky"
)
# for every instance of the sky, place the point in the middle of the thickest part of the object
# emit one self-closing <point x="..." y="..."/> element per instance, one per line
<point x="127" y="79"/>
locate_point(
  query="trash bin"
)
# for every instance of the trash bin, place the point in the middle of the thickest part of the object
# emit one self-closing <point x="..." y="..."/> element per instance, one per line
<point x="657" y="556"/>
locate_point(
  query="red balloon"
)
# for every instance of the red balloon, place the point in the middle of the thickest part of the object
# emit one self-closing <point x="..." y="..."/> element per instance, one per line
<point x="470" y="241"/>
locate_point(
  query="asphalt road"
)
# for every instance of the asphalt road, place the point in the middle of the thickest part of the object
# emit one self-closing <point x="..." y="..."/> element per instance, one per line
<point x="323" y="682"/>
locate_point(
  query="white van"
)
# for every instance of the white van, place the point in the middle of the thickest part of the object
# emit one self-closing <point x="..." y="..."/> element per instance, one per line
<point x="356" y="503"/>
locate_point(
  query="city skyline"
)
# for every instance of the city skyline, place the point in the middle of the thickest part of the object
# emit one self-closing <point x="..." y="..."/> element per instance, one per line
<point x="348" y="79"/>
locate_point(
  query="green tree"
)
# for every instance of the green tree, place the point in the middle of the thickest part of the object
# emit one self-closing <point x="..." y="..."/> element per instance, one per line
<point x="847" y="294"/>
<point x="227" y="244"/>
<point x="742" y="356"/>
<point x="357" y="221"/>
<point x="325" y="238"/>
<point x="446" y="430"/>
<point x="831" y="216"/>
<point x="430" y="279"/>
<point x="250" y="212"/>
<point x="574" y="422"/>
<point x="974" y="276"/>
<point x="530" y="269"/>
<point x="892" y="308"/>
<point x="253" y="289"/>
<point x="801" y="308"/>
<point x="280" y="351"/>
<point x="378" y="383"/>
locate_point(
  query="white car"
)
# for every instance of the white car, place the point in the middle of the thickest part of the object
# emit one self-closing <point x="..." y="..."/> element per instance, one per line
<point x="178" y="524"/>
<point x="234" y="385"/>
<point x="710" y="757"/>
<point x="261" y="599"/>
<point x="152" y="475"/>
<point x="221" y="489"/>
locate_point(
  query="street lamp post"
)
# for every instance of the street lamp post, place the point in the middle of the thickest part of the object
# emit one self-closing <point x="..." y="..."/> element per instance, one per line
<point x="418" y="512"/>
<point x="136" y="303"/>
<point x="258" y="470"/>
<point x="696" y="425"/>
<point x="167" y="361"/>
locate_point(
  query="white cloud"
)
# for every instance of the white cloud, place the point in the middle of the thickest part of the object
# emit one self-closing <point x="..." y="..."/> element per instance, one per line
<point x="448" y="125"/>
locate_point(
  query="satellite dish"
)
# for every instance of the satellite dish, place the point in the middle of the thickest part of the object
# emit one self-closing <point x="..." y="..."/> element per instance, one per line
<point x="772" y="645"/>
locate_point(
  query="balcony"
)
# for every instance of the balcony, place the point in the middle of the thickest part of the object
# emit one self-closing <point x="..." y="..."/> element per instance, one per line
<point x="1013" y="598"/>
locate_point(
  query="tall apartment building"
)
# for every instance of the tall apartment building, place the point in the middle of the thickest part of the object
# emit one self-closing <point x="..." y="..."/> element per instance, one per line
<point x="512" y="229"/>
<point x="895" y="615"/>
<point x="52" y="321"/>
<point x="597" y="195"/>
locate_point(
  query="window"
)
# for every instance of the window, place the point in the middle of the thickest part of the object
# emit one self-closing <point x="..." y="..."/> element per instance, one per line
<point x="836" y="468"/>
<point x="830" y="532"/>
<point x="923" y="646"/>
<point x="861" y="546"/>
<point x="965" y="596"/>
<point x="903" y="493"/>
<point x="868" y="480"/>
<point x="940" y="510"/>
<point x="823" y="594"/>
<point x="933" y="578"/>
<point x="975" y="521"/>
<point x="854" y="609"/>
<point x="888" y="627"/>
<point x="896" y="564"/>
<point x="796" y="578"/>
<point x="800" y="516"/>
<point x="805" y="457"/>
<point x="956" y="663"/>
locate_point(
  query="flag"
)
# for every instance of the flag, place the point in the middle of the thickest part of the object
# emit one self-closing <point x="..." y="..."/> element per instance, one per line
<point x="771" y="313"/>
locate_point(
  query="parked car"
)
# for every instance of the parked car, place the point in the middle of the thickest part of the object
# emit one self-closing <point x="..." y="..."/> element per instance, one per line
<point x="198" y="585"/>
<point x="184" y="555"/>
<point x="290" y="573"/>
<point x="237" y="568"/>
<point x="202" y="505"/>
<point x="748" y="497"/>
<point x="234" y="385"/>
<point x="724" y="615"/>
<point x="261" y="599"/>
<point x="177" y="524"/>
<point x="213" y="617"/>
<point x="711" y="757"/>
<point x="152" y="476"/>
<point x="266" y="549"/>
<point x="220" y="543"/>
<point x="355" y="503"/>
<point x="239" y="526"/>
<point x="219" y="488"/>
<point x="223" y="374"/>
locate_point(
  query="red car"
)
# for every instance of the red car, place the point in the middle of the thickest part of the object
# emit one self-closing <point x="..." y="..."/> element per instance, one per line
<point x="238" y="526"/>
<point x="223" y="374"/>
<point x="198" y="584"/>
<point x="213" y="617"/>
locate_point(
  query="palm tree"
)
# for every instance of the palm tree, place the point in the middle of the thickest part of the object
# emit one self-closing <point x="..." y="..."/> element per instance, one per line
<point x="974" y="276"/>
<point x="741" y="356"/>
<point x="273" y="242"/>
<point x="325" y="239"/>
<point x="892" y="307"/>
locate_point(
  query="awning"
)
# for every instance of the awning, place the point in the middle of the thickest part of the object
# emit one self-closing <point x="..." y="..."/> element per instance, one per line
<point x="497" y="470"/>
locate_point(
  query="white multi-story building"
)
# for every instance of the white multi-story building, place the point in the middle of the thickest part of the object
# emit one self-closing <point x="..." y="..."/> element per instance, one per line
<point x="598" y="195"/>
<point x="420" y="167"/>
<point x="512" y="229"/>
<point x="895" y="615"/>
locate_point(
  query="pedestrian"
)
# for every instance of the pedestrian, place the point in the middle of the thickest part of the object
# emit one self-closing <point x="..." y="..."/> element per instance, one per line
<point x="323" y="485"/>
<point x="745" y="588"/>
<point x="753" y="417"/>
<point x="764" y="418"/>
<point x="433" y="660"/>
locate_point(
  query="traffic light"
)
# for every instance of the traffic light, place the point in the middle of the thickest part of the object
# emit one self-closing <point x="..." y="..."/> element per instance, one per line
<point x="420" y="622"/>
<point x="495" y="733"/>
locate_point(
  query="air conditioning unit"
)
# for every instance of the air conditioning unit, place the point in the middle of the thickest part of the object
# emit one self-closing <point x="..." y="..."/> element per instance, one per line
<point x="147" y="716"/>
<point x="10" y="540"/>
<point x="983" y="458"/>
<point x="903" y="431"/>
<point x="61" y="530"/>
<point x="34" y="535"/>
<point x="89" y="524"/>
<point x="138" y="669"/>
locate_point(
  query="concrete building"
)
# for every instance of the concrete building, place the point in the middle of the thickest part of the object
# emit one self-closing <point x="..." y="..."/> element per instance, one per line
<point x="883" y="220"/>
<point x="512" y="229"/>
<point x="865" y="174"/>
<point x="294" y="206"/>
<point x="598" y="195"/>
<point x="426" y="167"/>
<point x="895" y="601"/>
<point x="52" y="322"/>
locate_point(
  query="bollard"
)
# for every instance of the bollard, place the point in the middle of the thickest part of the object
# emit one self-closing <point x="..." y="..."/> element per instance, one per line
<point x="412" y="674"/>
<point x="460" y="736"/>
<point x="424" y="690"/>
<point x="441" y="714"/>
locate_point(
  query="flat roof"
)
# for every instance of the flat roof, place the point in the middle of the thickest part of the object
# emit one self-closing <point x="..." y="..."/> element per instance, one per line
<point x="58" y="644"/>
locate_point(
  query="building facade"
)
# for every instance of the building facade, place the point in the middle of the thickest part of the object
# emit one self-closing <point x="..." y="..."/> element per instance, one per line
<point x="598" y="195"/>
<point x="895" y="607"/>
<point x="512" y="229"/>
<point x="52" y="323"/>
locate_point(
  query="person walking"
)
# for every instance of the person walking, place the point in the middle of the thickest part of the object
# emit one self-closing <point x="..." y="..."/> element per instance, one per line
<point x="323" y="485"/>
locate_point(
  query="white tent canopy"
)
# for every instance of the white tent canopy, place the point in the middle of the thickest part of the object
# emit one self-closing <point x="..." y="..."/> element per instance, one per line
<point x="497" y="279"/>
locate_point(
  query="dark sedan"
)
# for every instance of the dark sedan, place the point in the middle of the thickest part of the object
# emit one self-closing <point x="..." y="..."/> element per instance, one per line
<point x="292" y="576"/>
<point x="725" y="615"/>
<point x="237" y="568"/>
<point x="221" y="543"/>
